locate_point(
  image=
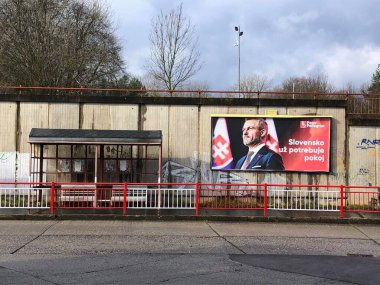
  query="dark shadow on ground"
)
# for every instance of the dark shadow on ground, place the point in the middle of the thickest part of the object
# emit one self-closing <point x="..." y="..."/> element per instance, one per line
<point x="353" y="269"/>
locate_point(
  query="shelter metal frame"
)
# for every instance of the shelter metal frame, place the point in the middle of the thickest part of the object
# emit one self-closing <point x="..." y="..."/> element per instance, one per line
<point x="69" y="155"/>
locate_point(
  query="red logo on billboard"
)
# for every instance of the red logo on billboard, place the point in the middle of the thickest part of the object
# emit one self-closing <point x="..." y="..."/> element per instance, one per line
<point x="303" y="124"/>
<point x="221" y="152"/>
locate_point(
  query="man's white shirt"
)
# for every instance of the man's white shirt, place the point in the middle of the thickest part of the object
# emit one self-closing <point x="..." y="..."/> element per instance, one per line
<point x="256" y="150"/>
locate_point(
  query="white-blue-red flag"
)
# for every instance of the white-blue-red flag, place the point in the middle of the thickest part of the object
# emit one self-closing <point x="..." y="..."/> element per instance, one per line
<point x="221" y="149"/>
<point x="272" y="139"/>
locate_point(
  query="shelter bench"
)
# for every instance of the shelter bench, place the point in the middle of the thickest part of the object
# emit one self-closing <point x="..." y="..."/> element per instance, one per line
<point x="78" y="194"/>
<point x="138" y="194"/>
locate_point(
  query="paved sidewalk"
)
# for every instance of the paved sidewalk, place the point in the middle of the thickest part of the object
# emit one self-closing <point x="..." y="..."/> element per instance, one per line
<point x="187" y="252"/>
<point x="71" y="237"/>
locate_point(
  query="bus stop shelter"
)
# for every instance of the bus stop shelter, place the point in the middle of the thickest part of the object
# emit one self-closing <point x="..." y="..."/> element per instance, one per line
<point x="75" y="155"/>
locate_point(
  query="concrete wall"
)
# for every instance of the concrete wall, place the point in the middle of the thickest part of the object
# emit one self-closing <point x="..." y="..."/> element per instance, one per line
<point x="109" y="117"/>
<point x="8" y="126"/>
<point x="186" y="133"/>
<point x="364" y="155"/>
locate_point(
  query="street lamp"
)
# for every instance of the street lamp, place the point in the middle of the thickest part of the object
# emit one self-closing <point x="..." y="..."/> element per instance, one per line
<point x="237" y="29"/>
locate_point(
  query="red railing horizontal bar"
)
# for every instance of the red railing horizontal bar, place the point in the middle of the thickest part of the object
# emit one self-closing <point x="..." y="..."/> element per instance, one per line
<point x="194" y="183"/>
<point x="351" y="198"/>
<point x="81" y="89"/>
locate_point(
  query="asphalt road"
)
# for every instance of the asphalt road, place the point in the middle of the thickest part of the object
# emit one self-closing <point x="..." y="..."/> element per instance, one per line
<point x="187" y="252"/>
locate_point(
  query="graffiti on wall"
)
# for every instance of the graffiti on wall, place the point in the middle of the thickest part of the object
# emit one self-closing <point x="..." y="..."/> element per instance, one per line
<point x="4" y="157"/>
<point x="7" y="166"/>
<point x="362" y="176"/>
<point x="200" y="171"/>
<point x="177" y="173"/>
<point x="367" y="143"/>
<point x="14" y="167"/>
<point x="363" y="171"/>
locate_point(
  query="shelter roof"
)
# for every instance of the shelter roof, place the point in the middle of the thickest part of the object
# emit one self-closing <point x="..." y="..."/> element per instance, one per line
<point x="71" y="136"/>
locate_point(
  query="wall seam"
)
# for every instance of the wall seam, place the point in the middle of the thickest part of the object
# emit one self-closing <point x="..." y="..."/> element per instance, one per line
<point x="17" y="139"/>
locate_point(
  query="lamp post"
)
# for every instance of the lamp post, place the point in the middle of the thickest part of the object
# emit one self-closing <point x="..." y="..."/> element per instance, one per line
<point x="237" y="29"/>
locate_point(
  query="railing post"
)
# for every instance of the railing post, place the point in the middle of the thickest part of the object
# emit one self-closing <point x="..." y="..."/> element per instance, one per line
<point x="125" y="199"/>
<point x="341" y="210"/>
<point x="52" y="193"/>
<point x="159" y="198"/>
<point x="197" y="197"/>
<point x="265" y="199"/>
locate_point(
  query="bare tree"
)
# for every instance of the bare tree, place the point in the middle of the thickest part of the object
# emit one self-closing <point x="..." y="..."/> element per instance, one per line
<point x="317" y="83"/>
<point x="349" y="87"/>
<point x="57" y="43"/>
<point x="253" y="83"/>
<point x="174" y="53"/>
<point x="196" y="88"/>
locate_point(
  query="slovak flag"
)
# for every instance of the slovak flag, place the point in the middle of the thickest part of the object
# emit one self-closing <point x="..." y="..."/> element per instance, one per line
<point x="221" y="149"/>
<point x="272" y="140"/>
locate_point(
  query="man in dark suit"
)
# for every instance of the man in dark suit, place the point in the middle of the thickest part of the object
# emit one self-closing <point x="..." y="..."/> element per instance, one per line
<point x="259" y="156"/>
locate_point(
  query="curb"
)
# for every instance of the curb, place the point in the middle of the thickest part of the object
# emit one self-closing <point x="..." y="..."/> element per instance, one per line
<point x="73" y="217"/>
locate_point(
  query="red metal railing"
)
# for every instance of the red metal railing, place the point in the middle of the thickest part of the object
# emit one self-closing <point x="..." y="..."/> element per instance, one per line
<point x="301" y="197"/>
<point x="358" y="103"/>
<point x="125" y="195"/>
<point x="232" y="197"/>
<point x="357" y="200"/>
<point x="190" y="196"/>
<point x="143" y="92"/>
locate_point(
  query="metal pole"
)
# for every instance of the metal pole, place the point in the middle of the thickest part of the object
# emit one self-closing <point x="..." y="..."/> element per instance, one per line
<point x="265" y="199"/>
<point x="341" y="210"/>
<point x="52" y="193"/>
<point x="237" y="29"/>
<point x="239" y="58"/>
<point x="96" y="164"/>
<point x="160" y="164"/>
<point x="197" y="197"/>
<point x="125" y="199"/>
<point x="293" y="89"/>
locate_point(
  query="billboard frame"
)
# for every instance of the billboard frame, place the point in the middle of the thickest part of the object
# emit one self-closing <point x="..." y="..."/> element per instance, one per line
<point x="329" y="152"/>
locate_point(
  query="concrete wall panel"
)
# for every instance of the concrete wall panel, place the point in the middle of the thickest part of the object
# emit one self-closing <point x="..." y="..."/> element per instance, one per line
<point x="124" y="117"/>
<point x="268" y="110"/>
<point x="63" y="116"/>
<point x="7" y="167"/>
<point x="306" y="111"/>
<point x="364" y="157"/>
<point x="338" y="146"/>
<point x="32" y="115"/>
<point x="8" y="127"/>
<point x="243" y="110"/>
<point x="155" y="118"/>
<point x="109" y="117"/>
<point x="183" y="134"/>
<point x="377" y="154"/>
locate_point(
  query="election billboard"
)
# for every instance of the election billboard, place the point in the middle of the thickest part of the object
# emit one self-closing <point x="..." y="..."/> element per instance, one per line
<point x="276" y="143"/>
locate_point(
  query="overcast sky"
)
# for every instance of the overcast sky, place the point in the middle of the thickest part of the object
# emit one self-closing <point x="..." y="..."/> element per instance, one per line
<point x="282" y="38"/>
